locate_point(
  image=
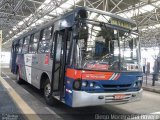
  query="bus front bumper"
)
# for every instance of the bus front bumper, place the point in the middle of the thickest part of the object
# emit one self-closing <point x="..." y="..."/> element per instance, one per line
<point x="82" y="98"/>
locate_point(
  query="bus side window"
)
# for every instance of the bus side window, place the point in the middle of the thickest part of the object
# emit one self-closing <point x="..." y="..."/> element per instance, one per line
<point x="69" y="46"/>
<point x="59" y="45"/>
<point x="44" y="44"/>
<point x="20" y="45"/>
<point x="26" y="44"/>
<point x="34" y="42"/>
<point x="47" y="32"/>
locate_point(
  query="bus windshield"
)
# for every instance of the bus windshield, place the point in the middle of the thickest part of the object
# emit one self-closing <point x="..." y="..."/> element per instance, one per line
<point x="107" y="48"/>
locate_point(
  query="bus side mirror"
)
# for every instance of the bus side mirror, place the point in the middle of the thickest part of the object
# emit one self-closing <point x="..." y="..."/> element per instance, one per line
<point x="131" y="44"/>
<point x="83" y="32"/>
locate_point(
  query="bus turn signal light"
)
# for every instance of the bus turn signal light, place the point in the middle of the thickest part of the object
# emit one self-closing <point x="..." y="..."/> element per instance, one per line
<point x="46" y="59"/>
<point x="77" y="84"/>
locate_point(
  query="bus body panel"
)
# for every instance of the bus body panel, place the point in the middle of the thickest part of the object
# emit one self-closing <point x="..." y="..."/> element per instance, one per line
<point x="31" y="67"/>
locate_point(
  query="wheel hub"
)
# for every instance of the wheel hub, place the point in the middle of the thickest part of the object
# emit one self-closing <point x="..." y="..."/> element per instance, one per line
<point x="47" y="90"/>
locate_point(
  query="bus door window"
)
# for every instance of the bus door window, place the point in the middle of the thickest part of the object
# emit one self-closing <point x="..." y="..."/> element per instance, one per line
<point x="34" y="42"/>
<point x="59" y="45"/>
<point x="56" y="55"/>
<point x="129" y="50"/>
<point x="15" y="48"/>
<point x="20" y="45"/>
<point x="69" y="48"/>
<point x="14" y="51"/>
<point x="44" y="44"/>
<point x="26" y="44"/>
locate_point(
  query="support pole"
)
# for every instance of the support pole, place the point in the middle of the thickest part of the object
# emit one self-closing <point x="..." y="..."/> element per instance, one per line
<point x="84" y="3"/>
<point x="105" y="5"/>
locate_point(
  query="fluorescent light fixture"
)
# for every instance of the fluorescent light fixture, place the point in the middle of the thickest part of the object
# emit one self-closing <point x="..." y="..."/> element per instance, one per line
<point x="141" y="10"/>
<point x="47" y="17"/>
<point x="65" y="6"/>
<point x="104" y="18"/>
<point x="10" y="32"/>
<point x="151" y="27"/>
<point x="39" y="21"/>
<point x="27" y="18"/>
<point x="47" y="1"/>
<point x="20" y="23"/>
<point x="14" y="28"/>
<point x="45" y="6"/>
<point x="93" y="15"/>
<point x="33" y="25"/>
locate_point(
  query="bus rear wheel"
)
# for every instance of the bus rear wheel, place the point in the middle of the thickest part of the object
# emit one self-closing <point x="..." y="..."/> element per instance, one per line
<point x="19" y="80"/>
<point x="47" y="93"/>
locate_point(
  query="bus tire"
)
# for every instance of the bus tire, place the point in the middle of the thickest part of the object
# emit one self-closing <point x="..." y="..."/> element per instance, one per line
<point x="47" y="89"/>
<point x="19" y="80"/>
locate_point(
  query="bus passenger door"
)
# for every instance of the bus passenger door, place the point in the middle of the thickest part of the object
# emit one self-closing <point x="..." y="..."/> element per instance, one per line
<point x="59" y="62"/>
<point x="13" y="65"/>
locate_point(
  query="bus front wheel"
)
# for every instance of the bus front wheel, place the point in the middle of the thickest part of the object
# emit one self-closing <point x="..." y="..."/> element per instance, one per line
<point x="47" y="93"/>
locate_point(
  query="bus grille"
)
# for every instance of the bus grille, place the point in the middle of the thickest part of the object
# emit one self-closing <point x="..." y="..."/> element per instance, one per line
<point x="113" y="88"/>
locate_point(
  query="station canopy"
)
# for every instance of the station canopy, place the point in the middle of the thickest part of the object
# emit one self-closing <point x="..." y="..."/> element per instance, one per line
<point x="20" y="16"/>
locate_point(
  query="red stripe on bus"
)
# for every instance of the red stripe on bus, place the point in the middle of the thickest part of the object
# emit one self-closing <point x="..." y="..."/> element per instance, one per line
<point x="72" y="73"/>
<point x="88" y="75"/>
<point x="117" y="77"/>
<point x="97" y="76"/>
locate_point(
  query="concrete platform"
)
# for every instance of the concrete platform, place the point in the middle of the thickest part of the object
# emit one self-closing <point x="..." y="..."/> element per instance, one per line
<point x="8" y="109"/>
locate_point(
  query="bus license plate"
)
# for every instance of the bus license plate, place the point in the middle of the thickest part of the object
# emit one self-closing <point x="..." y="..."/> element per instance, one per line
<point x="119" y="96"/>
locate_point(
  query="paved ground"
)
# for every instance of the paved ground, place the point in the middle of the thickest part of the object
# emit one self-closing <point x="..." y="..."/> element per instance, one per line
<point x="8" y="109"/>
<point x="147" y="84"/>
<point x="150" y="104"/>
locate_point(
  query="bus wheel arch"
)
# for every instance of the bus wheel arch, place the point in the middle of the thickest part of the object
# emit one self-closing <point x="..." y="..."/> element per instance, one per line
<point x="46" y="87"/>
<point x="43" y="79"/>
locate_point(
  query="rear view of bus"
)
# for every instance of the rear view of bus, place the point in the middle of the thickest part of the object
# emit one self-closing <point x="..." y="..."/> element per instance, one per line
<point x="105" y="61"/>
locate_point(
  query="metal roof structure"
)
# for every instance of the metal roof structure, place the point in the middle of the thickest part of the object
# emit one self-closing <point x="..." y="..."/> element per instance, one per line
<point x="19" y="16"/>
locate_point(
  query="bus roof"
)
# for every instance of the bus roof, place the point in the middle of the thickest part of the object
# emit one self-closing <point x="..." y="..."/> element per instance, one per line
<point x="108" y="14"/>
<point x="73" y="12"/>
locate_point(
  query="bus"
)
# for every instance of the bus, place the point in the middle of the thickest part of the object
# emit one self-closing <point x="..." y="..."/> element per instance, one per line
<point x="86" y="57"/>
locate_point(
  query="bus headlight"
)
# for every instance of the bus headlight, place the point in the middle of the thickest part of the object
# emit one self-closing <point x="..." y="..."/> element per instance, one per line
<point x="91" y="84"/>
<point x="97" y="86"/>
<point x="77" y="84"/>
<point x="84" y="84"/>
